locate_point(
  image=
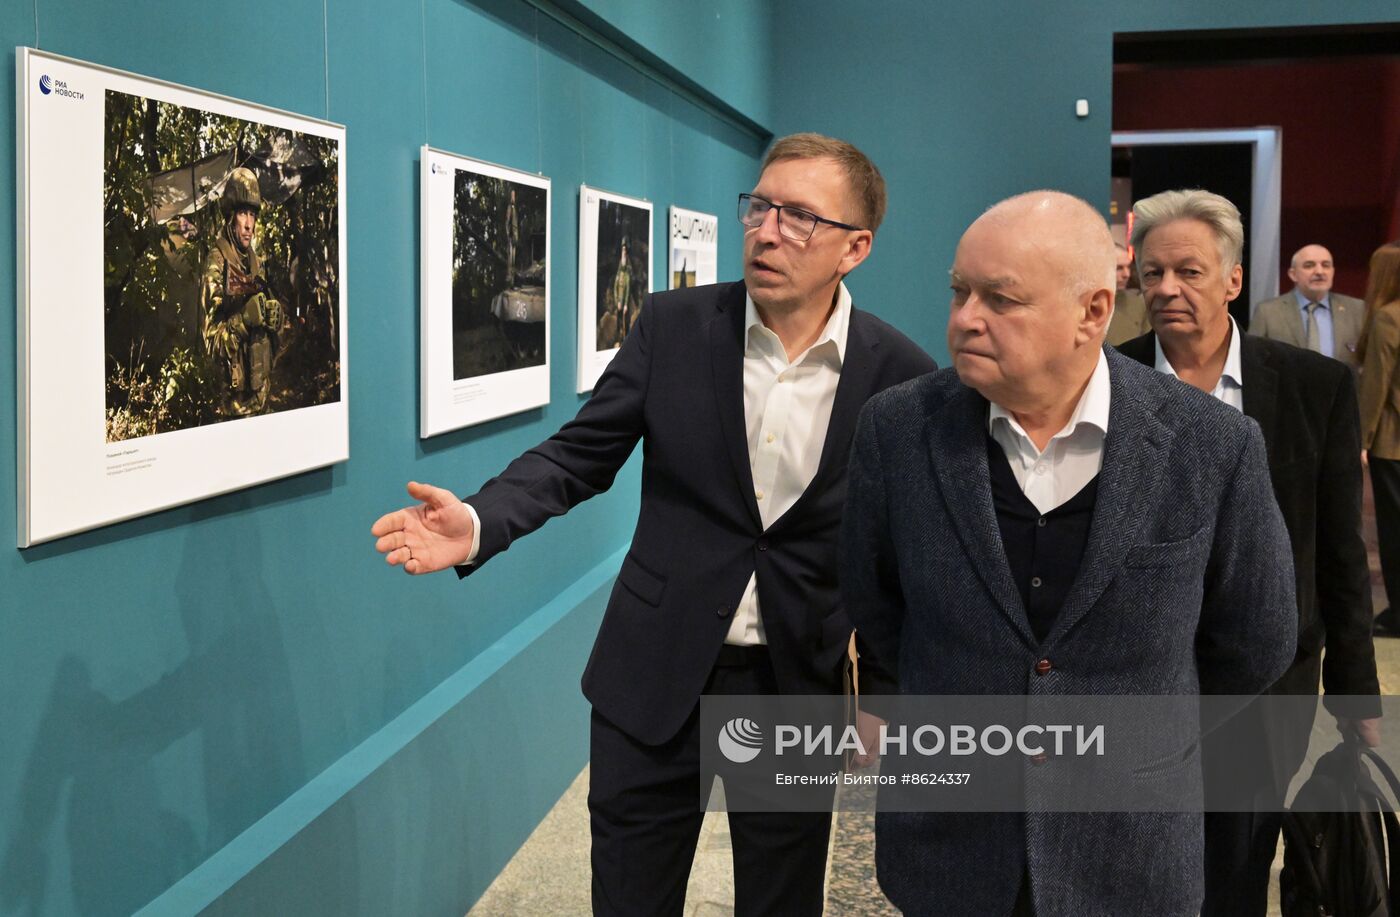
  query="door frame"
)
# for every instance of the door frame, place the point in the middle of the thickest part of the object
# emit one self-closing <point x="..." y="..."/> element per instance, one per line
<point x="1267" y="182"/>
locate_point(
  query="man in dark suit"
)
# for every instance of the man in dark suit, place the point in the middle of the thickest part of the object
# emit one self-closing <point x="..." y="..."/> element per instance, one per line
<point x="746" y="395"/>
<point x="1051" y="518"/>
<point x="1189" y="245"/>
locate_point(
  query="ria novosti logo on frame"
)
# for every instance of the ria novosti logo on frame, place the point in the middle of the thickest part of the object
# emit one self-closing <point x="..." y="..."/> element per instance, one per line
<point x="50" y="86"/>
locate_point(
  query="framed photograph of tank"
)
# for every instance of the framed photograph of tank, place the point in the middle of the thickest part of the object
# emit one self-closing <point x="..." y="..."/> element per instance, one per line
<point x="694" y="248"/>
<point x="181" y="290"/>
<point x="485" y="275"/>
<point x="614" y="275"/>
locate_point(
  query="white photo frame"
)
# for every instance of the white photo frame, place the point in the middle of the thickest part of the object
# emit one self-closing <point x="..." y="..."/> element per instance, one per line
<point x="607" y="221"/>
<point x="693" y="250"/>
<point x="142" y="385"/>
<point x="486" y="292"/>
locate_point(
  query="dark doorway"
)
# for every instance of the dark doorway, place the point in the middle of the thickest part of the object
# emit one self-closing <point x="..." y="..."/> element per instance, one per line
<point x="1224" y="168"/>
<point x="1330" y="90"/>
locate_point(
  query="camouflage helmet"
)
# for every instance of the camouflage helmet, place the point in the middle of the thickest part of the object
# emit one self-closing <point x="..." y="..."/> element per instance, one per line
<point x="241" y="190"/>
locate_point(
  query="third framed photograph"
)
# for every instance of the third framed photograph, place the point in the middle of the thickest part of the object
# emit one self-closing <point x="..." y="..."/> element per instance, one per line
<point x="693" y="249"/>
<point x="485" y="309"/>
<point x="614" y="275"/>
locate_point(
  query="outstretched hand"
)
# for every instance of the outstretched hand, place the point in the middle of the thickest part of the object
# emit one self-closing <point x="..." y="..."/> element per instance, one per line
<point x="434" y="535"/>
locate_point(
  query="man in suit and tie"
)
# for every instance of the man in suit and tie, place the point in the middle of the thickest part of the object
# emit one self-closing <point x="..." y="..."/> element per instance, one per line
<point x="1050" y="517"/>
<point x="746" y="397"/>
<point x="1189" y="245"/>
<point x="1311" y="316"/>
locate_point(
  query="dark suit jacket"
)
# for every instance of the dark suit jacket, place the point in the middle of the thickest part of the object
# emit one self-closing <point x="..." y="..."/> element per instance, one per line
<point x="1305" y="404"/>
<point x="1185" y="587"/>
<point x="677" y="385"/>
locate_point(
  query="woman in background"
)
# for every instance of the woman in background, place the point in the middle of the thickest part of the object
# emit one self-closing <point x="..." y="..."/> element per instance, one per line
<point x="1379" y="349"/>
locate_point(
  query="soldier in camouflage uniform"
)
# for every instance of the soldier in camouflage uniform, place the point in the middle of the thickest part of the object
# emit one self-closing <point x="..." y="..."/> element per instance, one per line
<point x="619" y="312"/>
<point x="512" y="239"/>
<point x="241" y="321"/>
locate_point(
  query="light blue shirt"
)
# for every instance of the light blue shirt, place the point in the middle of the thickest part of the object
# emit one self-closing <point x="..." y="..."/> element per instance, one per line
<point x="1323" y="317"/>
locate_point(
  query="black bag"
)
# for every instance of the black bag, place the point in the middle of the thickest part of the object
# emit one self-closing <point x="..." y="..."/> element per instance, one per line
<point x="1338" y="838"/>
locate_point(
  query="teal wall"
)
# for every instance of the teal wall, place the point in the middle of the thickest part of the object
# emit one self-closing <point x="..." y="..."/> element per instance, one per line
<point x="234" y="706"/>
<point x="173" y="682"/>
<point x="964" y="103"/>
<point x="722" y="45"/>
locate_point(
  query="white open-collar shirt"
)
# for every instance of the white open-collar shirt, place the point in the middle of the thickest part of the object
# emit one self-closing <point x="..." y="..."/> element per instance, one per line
<point x="787" y="410"/>
<point x="1051" y="476"/>
<point x="1230" y="388"/>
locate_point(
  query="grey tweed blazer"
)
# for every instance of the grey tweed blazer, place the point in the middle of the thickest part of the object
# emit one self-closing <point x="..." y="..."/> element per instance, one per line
<point x="1186" y="586"/>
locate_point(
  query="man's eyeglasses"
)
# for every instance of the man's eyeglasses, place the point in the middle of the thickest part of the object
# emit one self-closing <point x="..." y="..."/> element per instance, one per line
<point x="793" y="222"/>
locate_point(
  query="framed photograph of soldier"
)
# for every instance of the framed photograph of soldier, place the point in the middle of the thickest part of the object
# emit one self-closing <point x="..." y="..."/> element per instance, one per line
<point x="181" y="289"/>
<point x="694" y="248"/>
<point x="485" y="306"/>
<point x="614" y="275"/>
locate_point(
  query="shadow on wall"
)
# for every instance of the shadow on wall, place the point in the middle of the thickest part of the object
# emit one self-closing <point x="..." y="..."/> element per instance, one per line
<point x="92" y="757"/>
<point x="93" y="772"/>
<point x="427" y="823"/>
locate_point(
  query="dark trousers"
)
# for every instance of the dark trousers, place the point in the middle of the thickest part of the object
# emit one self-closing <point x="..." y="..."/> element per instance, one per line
<point x="1240" y="849"/>
<point x="645" y="809"/>
<point x="1240" y="846"/>
<point x="1385" y="482"/>
<point x="1024" y="906"/>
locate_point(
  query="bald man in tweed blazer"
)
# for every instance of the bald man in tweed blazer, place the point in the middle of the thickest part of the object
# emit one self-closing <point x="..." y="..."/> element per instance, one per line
<point x="1051" y="518"/>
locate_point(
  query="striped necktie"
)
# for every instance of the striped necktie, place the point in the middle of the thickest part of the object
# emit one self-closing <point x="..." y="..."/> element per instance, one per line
<point x="1314" y="336"/>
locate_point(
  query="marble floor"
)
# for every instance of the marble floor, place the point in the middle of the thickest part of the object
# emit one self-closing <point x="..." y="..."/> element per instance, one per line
<point x="550" y="875"/>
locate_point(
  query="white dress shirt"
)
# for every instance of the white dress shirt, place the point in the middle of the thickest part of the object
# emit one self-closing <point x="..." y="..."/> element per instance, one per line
<point x="1051" y="476"/>
<point x="787" y="409"/>
<point x="1230" y="388"/>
